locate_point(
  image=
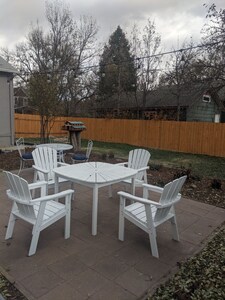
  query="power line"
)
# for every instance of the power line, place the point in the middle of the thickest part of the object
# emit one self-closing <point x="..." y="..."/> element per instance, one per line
<point x="158" y="54"/>
<point x="136" y="58"/>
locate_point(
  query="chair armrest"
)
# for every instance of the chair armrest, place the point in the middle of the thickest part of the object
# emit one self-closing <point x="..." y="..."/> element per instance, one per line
<point x="40" y="169"/>
<point x="61" y="164"/>
<point x="143" y="169"/>
<point x="54" y="196"/>
<point x="37" y="184"/>
<point x="152" y="188"/>
<point x="122" y="164"/>
<point x="138" y="199"/>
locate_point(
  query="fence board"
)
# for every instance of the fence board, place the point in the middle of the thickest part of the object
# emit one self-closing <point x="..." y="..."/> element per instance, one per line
<point x="169" y="136"/>
<point x="189" y="137"/>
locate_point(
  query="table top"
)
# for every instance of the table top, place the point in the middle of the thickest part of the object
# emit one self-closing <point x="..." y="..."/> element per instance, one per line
<point x="95" y="172"/>
<point x="57" y="146"/>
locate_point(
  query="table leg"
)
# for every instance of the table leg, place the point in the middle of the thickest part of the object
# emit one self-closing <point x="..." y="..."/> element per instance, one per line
<point x="95" y="210"/>
<point x="133" y="185"/>
<point x="62" y="156"/>
<point x="56" y="178"/>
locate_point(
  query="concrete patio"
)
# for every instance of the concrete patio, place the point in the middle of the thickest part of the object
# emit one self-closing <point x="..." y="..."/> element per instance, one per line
<point x="99" y="267"/>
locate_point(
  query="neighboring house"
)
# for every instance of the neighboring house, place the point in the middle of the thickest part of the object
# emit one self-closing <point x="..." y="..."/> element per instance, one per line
<point x="21" y="101"/>
<point x="197" y="103"/>
<point x="7" y="72"/>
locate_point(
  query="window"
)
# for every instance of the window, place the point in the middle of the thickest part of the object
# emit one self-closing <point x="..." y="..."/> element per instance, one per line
<point x="206" y="98"/>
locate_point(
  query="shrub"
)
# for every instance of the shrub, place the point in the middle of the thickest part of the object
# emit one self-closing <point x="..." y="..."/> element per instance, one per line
<point x="155" y="167"/>
<point x="182" y="172"/>
<point x="200" y="277"/>
<point x="111" y="154"/>
<point x="216" y="184"/>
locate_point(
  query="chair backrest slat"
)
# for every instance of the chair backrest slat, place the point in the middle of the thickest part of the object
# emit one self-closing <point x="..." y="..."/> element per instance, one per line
<point x="26" y="210"/>
<point x="89" y="148"/>
<point x="45" y="158"/>
<point x="138" y="158"/>
<point x="168" y="197"/>
<point x="20" y="146"/>
<point x="19" y="192"/>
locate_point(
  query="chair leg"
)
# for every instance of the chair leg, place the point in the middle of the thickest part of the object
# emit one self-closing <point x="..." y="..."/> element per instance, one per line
<point x="110" y="191"/>
<point x="21" y="166"/>
<point x="10" y="227"/>
<point x="121" y="226"/>
<point x="153" y="243"/>
<point x="34" y="242"/>
<point x="73" y="188"/>
<point x="175" y="233"/>
<point x="34" y="180"/>
<point x="67" y="222"/>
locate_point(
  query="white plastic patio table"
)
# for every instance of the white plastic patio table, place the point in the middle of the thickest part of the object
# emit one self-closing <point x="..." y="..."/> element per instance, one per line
<point x="94" y="175"/>
<point x="60" y="147"/>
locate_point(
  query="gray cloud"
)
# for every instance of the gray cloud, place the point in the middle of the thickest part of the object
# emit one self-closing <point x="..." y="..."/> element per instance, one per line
<point x="175" y="19"/>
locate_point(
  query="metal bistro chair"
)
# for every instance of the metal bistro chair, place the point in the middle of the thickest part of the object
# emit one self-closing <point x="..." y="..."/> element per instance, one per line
<point x="83" y="157"/>
<point x="148" y="214"/>
<point x="24" y="156"/>
<point x="40" y="212"/>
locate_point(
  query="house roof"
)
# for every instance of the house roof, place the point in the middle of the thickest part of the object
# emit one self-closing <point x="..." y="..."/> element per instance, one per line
<point x="167" y="96"/>
<point x="6" y="67"/>
<point x="20" y="91"/>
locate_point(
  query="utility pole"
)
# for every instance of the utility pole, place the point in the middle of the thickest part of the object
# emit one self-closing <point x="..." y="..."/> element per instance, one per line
<point x="119" y="87"/>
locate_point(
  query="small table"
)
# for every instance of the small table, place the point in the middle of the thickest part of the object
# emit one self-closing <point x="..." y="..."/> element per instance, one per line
<point x="59" y="147"/>
<point x="94" y="175"/>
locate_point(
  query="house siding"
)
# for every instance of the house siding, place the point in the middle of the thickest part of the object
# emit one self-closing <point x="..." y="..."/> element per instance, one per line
<point x="6" y="111"/>
<point x="202" y="112"/>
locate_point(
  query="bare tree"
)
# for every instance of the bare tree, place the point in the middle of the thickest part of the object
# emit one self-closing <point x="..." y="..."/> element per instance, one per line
<point x="145" y="44"/>
<point x="43" y="95"/>
<point x="179" y="72"/>
<point x="60" y="55"/>
<point x="80" y="79"/>
<point x="213" y="47"/>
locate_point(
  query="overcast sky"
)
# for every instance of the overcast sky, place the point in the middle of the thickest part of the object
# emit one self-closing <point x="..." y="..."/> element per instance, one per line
<point x="175" y="20"/>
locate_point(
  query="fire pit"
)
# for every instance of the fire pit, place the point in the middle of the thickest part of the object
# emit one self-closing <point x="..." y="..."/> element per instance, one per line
<point x="74" y="129"/>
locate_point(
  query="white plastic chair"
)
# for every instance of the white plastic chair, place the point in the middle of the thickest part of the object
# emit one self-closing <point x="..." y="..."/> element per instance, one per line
<point x="83" y="157"/>
<point x="45" y="160"/>
<point x="148" y="214"/>
<point x="39" y="212"/>
<point x="138" y="159"/>
<point x="24" y="156"/>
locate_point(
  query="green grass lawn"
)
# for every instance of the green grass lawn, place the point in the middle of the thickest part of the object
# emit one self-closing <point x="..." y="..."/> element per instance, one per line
<point x="200" y="165"/>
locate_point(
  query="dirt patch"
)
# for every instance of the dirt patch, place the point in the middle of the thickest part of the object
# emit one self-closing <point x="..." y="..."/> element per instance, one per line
<point x="207" y="190"/>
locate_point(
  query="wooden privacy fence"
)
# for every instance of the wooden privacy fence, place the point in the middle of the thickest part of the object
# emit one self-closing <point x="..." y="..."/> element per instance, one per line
<point x="189" y="137"/>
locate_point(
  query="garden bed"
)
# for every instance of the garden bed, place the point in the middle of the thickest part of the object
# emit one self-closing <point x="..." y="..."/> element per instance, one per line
<point x="200" y="277"/>
<point x="203" y="189"/>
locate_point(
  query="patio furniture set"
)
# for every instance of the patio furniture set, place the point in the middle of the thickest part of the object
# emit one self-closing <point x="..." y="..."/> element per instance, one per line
<point x="41" y="209"/>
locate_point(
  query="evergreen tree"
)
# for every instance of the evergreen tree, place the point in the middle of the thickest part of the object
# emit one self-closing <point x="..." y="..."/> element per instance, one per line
<point x="117" y="70"/>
